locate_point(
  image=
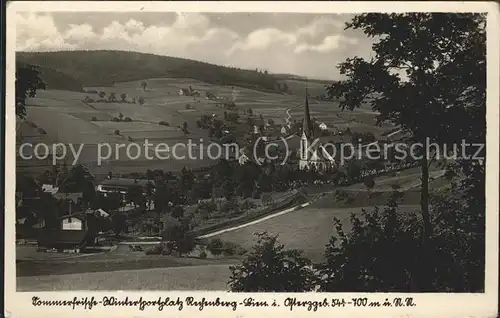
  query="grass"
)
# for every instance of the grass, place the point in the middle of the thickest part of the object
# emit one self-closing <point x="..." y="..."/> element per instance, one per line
<point x="308" y="229"/>
<point x="206" y="277"/>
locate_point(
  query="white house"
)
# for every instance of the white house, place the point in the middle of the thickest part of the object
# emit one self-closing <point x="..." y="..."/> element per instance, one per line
<point x="72" y="224"/>
<point x="283" y="130"/>
<point x="323" y="126"/>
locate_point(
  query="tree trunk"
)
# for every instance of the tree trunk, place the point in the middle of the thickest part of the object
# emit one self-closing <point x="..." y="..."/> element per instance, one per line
<point x="425" y="280"/>
<point x="424" y="198"/>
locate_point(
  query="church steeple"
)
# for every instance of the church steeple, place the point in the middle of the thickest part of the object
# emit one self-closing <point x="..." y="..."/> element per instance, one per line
<point x="307" y="125"/>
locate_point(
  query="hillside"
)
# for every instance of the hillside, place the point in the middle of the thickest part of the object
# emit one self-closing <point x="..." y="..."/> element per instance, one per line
<point x="72" y="69"/>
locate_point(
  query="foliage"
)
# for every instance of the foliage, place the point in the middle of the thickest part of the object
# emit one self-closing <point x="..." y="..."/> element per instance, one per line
<point x="141" y="100"/>
<point x="412" y="81"/>
<point x="136" y="196"/>
<point x="215" y="246"/>
<point x="178" y="234"/>
<point x="271" y="268"/>
<point x="28" y="81"/>
<point x="369" y="182"/>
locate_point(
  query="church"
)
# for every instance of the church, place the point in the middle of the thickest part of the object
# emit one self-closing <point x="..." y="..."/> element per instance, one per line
<point x="313" y="154"/>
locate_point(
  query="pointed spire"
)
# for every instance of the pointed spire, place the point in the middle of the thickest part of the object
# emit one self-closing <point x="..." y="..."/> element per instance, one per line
<point x="307" y="126"/>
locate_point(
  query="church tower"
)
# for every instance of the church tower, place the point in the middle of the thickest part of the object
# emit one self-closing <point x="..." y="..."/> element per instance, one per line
<point x="307" y="136"/>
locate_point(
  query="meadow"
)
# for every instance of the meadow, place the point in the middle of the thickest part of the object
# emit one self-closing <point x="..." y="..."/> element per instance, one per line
<point x="66" y="117"/>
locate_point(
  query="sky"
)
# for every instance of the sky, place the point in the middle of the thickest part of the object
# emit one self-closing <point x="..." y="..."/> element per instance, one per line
<point x="309" y="45"/>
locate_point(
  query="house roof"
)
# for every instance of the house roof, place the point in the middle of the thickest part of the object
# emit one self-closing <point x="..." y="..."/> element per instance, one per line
<point x="125" y="182"/>
<point x="68" y="196"/>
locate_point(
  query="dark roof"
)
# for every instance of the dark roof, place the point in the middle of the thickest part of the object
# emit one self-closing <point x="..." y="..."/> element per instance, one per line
<point x="124" y="182"/>
<point x="307" y="126"/>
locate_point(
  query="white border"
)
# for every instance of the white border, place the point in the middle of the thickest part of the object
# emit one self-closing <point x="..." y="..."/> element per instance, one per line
<point x="18" y="304"/>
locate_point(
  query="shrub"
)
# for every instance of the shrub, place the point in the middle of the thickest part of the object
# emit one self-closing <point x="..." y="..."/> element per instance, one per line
<point x="130" y="138"/>
<point x="117" y="132"/>
<point x="215" y="246"/>
<point x="141" y="100"/>
<point x="188" y="106"/>
<point x="94" y="118"/>
<point x="241" y="250"/>
<point x="271" y="268"/>
<point x="163" y="123"/>
<point x="115" y="119"/>
<point x="127" y="119"/>
<point x="203" y="255"/>
<point x="42" y="131"/>
<point x="155" y="250"/>
<point x="229" y="248"/>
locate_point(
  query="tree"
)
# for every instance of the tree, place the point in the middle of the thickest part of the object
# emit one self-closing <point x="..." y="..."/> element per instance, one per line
<point x="144" y="84"/>
<point x="177" y="233"/>
<point x="178" y="212"/>
<point x="102" y="94"/>
<point x="215" y="247"/>
<point x="119" y="221"/>
<point x="120" y="116"/>
<point x="136" y="196"/>
<point x="271" y="268"/>
<point x="429" y="101"/>
<point x="28" y="81"/>
<point x="369" y="183"/>
<point x="123" y="97"/>
<point x="141" y="101"/>
<point x="387" y="239"/>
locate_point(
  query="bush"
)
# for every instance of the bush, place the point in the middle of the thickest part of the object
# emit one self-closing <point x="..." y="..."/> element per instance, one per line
<point x="203" y="255"/>
<point x="129" y="138"/>
<point x="241" y="250"/>
<point x="127" y="119"/>
<point x="271" y="268"/>
<point x="155" y="250"/>
<point x="115" y="119"/>
<point x="215" y="247"/>
<point x="163" y="123"/>
<point x="94" y="118"/>
<point x="42" y="131"/>
<point x="117" y="132"/>
<point x="229" y="249"/>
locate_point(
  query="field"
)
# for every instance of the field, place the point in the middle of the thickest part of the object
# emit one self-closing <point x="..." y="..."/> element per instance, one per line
<point x="64" y="117"/>
<point x="204" y="277"/>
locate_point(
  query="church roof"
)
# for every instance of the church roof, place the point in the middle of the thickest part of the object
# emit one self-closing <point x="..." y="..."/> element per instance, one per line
<point x="307" y="127"/>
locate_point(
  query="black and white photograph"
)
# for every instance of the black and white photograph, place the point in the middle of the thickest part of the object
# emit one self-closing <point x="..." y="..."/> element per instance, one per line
<point x="253" y="151"/>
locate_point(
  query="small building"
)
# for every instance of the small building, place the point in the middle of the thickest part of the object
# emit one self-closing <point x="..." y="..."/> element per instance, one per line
<point x="49" y="188"/>
<point x="122" y="185"/>
<point x="184" y="92"/>
<point x="323" y="126"/>
<point x="70" y="233"/>
<point x="283" y="130"/>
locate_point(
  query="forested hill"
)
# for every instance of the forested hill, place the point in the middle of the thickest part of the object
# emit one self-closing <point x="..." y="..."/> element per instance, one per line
<point x="70" y="70"/>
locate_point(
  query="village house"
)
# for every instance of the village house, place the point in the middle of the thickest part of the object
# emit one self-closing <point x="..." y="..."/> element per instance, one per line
<point x="122" y="185"/>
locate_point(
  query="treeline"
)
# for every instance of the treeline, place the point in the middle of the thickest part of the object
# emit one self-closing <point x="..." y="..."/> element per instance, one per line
<point x="104" y="68"/>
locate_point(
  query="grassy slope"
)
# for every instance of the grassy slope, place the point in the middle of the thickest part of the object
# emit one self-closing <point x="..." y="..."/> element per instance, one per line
<point x="104" y="68"/>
